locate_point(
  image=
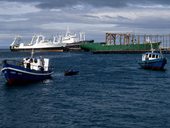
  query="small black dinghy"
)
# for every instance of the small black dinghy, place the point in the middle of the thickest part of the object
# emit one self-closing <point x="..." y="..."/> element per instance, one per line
<point x="71" y="72"/>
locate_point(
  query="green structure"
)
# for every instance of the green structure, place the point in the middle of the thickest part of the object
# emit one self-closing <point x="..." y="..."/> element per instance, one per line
<point x="122" y="43"/>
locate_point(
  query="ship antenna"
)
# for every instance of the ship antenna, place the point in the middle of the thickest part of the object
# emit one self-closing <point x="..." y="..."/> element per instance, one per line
<point x="160" y="51"/>
<point x="67" y="31"/>
<point x="152" y="50"/>
<point x="151" y="47"/>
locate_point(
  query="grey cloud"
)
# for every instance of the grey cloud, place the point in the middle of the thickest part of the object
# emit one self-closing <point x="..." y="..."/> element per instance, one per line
<point x="145" y="23"/>
<point x="44" y="4"/>
<point x="85" y="19"/>
<point x="68" y="3"/>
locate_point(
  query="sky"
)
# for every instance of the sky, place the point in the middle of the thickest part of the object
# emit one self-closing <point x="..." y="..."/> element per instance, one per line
<point x="94" y="17"/>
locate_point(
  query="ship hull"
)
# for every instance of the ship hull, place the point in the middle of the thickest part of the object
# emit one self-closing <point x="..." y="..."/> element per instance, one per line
<point x="157" y="64"/>
<point x="57" y="49"/>
<point x="129" y="48"/>
<point x="66" y="47"/>
<point x="17" y="74"/>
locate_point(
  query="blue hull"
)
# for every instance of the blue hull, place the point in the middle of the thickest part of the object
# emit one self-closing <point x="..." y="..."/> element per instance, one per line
<point x="17" y="74"/>
<point x="157" y="64"/>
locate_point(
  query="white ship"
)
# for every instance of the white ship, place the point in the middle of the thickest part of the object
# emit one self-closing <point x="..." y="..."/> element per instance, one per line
<point x="38" y="42"/>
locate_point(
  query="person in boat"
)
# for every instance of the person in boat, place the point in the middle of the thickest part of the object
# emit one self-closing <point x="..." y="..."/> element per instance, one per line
<point x="41" y="66"/>
<point x="27" y="63"/>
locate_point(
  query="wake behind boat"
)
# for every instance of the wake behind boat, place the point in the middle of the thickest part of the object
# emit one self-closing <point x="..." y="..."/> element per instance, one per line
<point x="28" y="70"/>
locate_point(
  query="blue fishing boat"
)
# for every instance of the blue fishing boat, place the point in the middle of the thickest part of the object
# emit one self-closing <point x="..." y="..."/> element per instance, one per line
<point x="28" y="70"/>
<point x="153" y="60"/>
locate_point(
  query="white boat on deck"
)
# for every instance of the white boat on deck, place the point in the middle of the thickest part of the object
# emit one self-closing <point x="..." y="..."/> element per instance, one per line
<point x="38" y="42"/>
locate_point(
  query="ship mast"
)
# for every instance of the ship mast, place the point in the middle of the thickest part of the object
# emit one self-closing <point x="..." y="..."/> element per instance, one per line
<point x="67" y="31"/>
<point x="32" y="53"/>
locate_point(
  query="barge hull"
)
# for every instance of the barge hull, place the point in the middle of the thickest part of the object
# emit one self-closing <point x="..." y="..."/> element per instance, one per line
<point x="130" y="48"/>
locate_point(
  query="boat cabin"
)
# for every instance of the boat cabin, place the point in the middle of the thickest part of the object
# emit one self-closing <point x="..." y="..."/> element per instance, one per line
<point x="38" y="64"/>
<point x="151" y="56"/>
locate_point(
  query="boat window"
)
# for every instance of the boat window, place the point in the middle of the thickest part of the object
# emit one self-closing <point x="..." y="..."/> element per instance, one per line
<point x="153" y="56"/>
<point x="35" y="60"/>
<point x="31" y="60"/>
<point x="146" y="57"/>
<point x="157" y="56"/>
<point x="149" y="55"/>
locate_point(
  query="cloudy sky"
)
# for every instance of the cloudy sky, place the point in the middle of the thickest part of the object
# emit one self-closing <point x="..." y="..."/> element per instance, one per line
<point x="94" y="17"/>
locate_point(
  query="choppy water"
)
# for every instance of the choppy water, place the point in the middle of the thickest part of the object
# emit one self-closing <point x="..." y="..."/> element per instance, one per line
<point x="110" y="91"/>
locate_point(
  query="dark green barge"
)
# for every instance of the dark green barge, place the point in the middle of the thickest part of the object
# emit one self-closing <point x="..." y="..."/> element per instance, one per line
<point x="128" y="48"/>
<point x="123" y="43"/>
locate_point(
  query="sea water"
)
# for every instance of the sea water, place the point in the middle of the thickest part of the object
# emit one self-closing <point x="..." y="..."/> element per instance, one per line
<point x="111" y="90"/>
